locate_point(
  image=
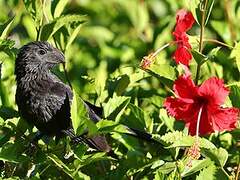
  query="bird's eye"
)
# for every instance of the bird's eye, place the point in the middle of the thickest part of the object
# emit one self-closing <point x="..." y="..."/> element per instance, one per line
<point x="41" y="52"/>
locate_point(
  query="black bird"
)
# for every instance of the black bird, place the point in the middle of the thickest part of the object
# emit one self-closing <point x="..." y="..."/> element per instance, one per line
<point x="44" y="100"/>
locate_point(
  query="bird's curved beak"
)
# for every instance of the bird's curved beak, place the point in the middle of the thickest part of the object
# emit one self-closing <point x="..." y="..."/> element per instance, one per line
<point x="60" y="56"/>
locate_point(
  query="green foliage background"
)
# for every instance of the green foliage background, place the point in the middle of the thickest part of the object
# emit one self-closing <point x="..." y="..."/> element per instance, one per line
<point x="104" y="42"/>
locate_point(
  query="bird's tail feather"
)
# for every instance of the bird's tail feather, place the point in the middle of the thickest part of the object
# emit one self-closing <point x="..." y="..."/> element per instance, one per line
<point x="140" y="134"/>
<point x="95" y="114"/>
<point x="97" y="142"/>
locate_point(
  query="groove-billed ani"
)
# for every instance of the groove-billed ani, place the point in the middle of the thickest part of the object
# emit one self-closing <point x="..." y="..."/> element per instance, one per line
<point x="44" y="100"/>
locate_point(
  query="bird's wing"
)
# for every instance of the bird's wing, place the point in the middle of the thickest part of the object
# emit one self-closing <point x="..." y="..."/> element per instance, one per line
<point x="52" y="108"/>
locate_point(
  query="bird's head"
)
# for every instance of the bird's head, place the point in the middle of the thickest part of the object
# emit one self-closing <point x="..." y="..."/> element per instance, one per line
<point x="39" y="54"/>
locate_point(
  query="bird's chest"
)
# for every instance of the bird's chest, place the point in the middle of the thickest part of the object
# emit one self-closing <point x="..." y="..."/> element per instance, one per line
<point x="35" y="105"/>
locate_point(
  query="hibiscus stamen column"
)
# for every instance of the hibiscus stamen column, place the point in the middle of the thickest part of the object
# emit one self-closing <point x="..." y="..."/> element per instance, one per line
<point x="194" y="151"/>
<point x="198" y="122"/>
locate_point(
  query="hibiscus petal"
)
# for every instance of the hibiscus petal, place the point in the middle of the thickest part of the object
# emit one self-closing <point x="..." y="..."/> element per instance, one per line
<point x="184" y="20"/>
<point x="219" y="119"/>
<point x="182" y="55"/>
<point x="182" y="39"/>
<point x="179" y="108"/>
<point x="184" y="87"/>
<point x="204" y="126"/>
<point x="214" y="90"/>
<point x="224" y="118"/>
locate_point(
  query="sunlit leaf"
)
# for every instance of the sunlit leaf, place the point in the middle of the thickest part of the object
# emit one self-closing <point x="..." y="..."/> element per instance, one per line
<point x="34" y="7"/>
<point x="236" y="54"/>
<point x="57" y="7"/>
<point x="198" y="57"/>
<point x="196" y="165"/>
<point x="221" y="27"/>
<point x="73" y="35"/>
<point x="60" y="164"/>
<point x="80" y="117"/>
<point x="194" y="7"/>
<point x="50" y="28"/>
<point x="115" y="107"/>
<point x="168" y="121"/>
<point x="219" y="156"/>
<point x="4" y="28"/>
<point x="235" y="95"/>
<point x="208" y="172"/>
<point x="167" y="167"/>
<point x="165" y="73"/>
<point x="209" y="10"/>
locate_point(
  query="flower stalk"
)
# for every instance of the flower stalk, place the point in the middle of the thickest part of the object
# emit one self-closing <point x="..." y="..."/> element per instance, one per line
<point x="149" y="59"/>
<point x="203" y="13"/>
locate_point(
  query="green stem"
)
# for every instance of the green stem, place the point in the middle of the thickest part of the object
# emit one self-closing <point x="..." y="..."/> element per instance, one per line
<point x="38" y="33"/>
<point x="223" y="170"/>
<point x="238" y="171"/>
<point x="218" y="42"/>
<point x="203" y="13"/>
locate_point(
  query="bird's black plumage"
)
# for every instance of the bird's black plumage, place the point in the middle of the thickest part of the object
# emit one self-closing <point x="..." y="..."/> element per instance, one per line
<point x="44" y="100"/>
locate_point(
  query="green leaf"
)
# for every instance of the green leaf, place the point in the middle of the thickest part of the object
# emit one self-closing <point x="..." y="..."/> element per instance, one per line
<point x="4" y="28"/>
<point x="159" y="175"/>
<point x="168" y="121"/>
<point x="137" y="13"/>
<point x="221" y="27"/>
<point x="80" y="117"/>
<point x="188" y="141"/>
<point x="178" y="139"/>
<point x="81" y="176"/>
<point x="236" y="54"/>
<point x="193" y="6"/>
<point x="164" y="72"/>
<point x="29" y="25"/>
<point x="80" y="150"/>
<point x="51" y="28"/>
<point x="208" y="172"/>
<point x="0" y="71"/>
<point x="7" y="46"/>
<point x="167" y="167"/>
<point x="118" y="84"/>
<point x="219" y="156"/>
<point x="78" y="113"/>
<point x="122" y="84"/>
<point x="196" y="165"/>
<point x="12" y="152"/>
<point x="8" y="113"/>
<point x="73" y="35"/>
<point x="34" y="7"/>
<point x="106" y="126"/>
<point x="139" y="117"/>
<point x="90" y="158"/>
<point x="57" y="7"/>
<point x="213" y="53"/>
<point x="199" y="58"/>
<point x="209" y="10"/>
<point x="235" y="95"/>
<point x="60" y="164"/>
<point x="99" y="34"/>
<point x="115" y="107"/>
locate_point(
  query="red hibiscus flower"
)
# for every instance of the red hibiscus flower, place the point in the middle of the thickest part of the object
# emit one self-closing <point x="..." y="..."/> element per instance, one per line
<point x="182" y="54"/>
<point x="202" y="103"/>
<point x="185" y="21"/>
